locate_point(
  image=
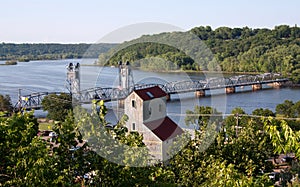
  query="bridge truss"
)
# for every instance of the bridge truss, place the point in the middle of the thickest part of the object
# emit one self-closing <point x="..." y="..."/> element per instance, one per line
<point x="34" y="100"/>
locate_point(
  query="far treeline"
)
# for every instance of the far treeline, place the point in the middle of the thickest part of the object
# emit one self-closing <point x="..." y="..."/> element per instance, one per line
<point x="27" y="52"/>
<point x="235" y="50"/>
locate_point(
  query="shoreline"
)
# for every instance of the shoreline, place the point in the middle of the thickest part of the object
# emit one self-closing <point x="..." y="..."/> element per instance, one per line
<point x="178" y="71"/>
<point x="288" y="84"/>
<point x="183" y="71"/>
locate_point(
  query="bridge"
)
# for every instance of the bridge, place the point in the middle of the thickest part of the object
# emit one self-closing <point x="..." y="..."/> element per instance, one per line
<point x="34" y="100"/>
<point x="177" y="87"/>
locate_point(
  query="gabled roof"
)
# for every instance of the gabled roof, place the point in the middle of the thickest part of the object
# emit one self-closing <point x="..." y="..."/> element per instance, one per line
<point x="150" y="93"/>
<point x="164" y="128"/>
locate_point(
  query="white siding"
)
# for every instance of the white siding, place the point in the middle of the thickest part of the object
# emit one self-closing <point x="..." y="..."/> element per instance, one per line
<point x="146" y="111"/>
<point x="151" y="110"/>
<point x="135" y="114"/>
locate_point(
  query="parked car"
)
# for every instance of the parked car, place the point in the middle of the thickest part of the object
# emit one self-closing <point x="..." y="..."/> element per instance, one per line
<point x="287" y="159"/>
<point x="52" y="135"/>
<point x="274" y="176"/>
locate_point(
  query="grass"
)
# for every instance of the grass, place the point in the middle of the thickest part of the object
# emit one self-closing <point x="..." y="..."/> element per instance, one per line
<point x="45" y="126"/>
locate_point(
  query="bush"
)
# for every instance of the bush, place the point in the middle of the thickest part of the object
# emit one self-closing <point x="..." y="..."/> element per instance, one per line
<point x="11" y="62"/>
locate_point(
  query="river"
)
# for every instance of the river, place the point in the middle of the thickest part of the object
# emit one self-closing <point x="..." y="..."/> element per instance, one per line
<point x="50" y="75"/>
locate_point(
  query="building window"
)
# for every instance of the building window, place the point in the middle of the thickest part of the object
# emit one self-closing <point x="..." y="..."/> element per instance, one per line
<point x="159" y="107"/>
<point x="133" y="103"/>
<point x="133" y="127"/>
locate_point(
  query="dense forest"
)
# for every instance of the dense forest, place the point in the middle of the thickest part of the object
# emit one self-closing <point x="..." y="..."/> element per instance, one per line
<point x="26" y="52"/>
<point x="235" y="50"/>
<point x="227" y="49"/>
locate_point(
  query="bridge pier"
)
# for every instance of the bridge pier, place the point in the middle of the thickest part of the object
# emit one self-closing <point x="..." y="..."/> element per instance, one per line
<point x="229" y="90"/>
<point x="200" y="93"/>
<point x="256" y="87"/>
<point x="276" y="84"/>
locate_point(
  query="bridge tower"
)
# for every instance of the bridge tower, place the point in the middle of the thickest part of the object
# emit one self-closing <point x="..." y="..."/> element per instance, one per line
<point x="126" y="81"/>
<point x="73" y="79"/>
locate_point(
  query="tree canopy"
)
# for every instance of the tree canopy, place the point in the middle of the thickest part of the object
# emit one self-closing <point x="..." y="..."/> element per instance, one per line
<point x="28" y="159"/>
<point x="26" y="52"/>
<point x="5" y="104"/>
<point x="58" y="106"/>
<point x="235" y="50"/>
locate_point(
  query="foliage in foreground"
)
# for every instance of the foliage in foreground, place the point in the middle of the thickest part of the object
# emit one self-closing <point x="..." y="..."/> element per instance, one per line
<point x="213" y="158"/>
<point x="5" y="104"/>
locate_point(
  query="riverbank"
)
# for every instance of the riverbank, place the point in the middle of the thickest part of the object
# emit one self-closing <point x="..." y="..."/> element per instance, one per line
<point x="290" y="84"/>
<point x="9" y="63"/>
<point x="182" y="71"/>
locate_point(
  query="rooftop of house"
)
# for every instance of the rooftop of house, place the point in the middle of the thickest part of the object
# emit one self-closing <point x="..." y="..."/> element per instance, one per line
<point x="150" y="93"/>
<point x="164" y="128"/>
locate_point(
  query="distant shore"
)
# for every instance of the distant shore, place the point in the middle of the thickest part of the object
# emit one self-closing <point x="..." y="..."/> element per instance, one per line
<point x="9" y="63"/>
<point x="184" y="71"/>
<point x="290" y="84"/>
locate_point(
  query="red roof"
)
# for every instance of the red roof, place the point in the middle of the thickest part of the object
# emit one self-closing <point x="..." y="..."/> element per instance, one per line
<point x="164" y="128"/>
<point x="150" y="93"/>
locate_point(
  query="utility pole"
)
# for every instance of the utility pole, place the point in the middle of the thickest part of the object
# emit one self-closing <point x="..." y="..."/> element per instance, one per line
<point x="237" y="124"/>
<point x="20" y="99"/>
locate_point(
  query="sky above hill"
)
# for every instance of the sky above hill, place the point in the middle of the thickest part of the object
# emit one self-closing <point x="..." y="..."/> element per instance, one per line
<point x="78" y="21"/>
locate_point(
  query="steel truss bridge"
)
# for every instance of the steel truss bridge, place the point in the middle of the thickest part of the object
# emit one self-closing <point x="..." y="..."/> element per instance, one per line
<point x="34" y="100"/>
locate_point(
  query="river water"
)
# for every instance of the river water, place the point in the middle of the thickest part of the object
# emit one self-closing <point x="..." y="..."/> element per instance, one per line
<point x="39" y="76"/>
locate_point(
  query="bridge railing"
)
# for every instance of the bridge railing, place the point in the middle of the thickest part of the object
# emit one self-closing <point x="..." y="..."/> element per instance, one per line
<point x="34" y="100"/>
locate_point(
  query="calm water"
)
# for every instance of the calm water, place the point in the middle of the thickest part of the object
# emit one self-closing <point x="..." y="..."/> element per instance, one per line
<point x="37" y="76"/>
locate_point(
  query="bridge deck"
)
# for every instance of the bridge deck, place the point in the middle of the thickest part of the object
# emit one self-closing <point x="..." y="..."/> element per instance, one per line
<point x="34" y="100"/>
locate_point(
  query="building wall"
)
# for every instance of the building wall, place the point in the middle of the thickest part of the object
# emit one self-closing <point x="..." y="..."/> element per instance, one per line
<point x="146" y="111"/>
<point x="135" y="114"/>
<point x="153" y="143"/>
<point x="166" y="148"/>
<point x="155" y="148"/>
<point x="154" y="109"/>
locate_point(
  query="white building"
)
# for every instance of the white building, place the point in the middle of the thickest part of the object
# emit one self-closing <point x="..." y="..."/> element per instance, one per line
<point x="146" y="109"/>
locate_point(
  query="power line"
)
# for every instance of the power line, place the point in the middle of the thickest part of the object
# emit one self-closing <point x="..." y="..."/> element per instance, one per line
<point x="196" y="115"/>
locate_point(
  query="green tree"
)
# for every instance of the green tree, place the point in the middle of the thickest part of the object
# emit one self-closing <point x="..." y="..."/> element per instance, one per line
<point x="236" y="121"/>
<point x="236" y="49"/>
<point x="282" y="31"/>
<point x="296" y="109"/>
<point x="263" y="112"/>
<point x="5" y="104"/>
<point x="25" y="159"/>
<point x="285" y="140"/>
<point x="57" y="106"/>
<point x="296" y="75"/>
<point x="202" y="116"/>
<point x="229" y="160"/>
<point x="213" y="157"/>
<point x="285" y="109"/>
<point x="28" y="160"/>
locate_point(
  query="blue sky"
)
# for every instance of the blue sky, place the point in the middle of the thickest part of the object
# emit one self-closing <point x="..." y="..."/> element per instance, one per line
<point x="76" y="21"/>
